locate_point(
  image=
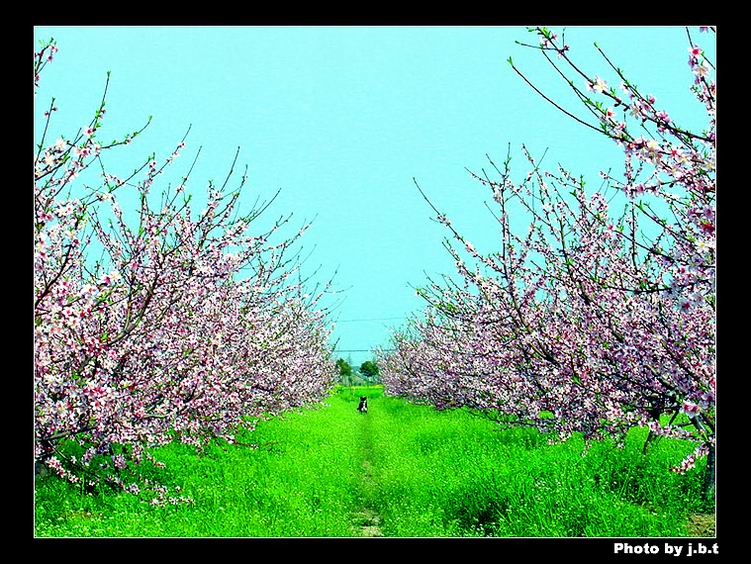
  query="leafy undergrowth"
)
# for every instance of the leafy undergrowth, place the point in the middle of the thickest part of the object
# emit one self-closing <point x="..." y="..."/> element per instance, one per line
<point x="452" y="473"/>
<point x="299" y="481"/>
<point x="412" y="470"/>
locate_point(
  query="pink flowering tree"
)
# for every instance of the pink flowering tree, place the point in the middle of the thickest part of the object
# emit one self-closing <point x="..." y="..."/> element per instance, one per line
<point x="175" y="326"/>
<point x="601" y="316"/>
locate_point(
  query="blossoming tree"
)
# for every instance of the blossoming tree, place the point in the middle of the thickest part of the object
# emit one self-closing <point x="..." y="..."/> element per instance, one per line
<point x="174" y="326"/>
<point x="601" y="316"/>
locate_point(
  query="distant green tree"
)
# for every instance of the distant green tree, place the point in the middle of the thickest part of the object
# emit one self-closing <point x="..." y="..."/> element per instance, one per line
<point x="369" y="370"/>
<point x="345" y="370"/>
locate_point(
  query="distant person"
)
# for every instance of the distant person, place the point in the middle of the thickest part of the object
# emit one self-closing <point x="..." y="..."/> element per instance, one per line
<point x="363" y="407"/>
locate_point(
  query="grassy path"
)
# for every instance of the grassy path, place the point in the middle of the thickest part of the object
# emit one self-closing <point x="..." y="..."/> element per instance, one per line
<point x="400" y="470"/>
<point x="367" y="519"/>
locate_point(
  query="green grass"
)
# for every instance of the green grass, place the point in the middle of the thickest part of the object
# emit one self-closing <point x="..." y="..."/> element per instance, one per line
<point x="400" y="470"/>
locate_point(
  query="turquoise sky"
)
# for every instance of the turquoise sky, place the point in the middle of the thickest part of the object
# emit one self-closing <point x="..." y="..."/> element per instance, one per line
<point x="342" y="118"/>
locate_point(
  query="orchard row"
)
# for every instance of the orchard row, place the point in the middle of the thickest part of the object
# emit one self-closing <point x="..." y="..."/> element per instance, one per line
<point x="600" y="315"/>
<point x="158" y="322"/>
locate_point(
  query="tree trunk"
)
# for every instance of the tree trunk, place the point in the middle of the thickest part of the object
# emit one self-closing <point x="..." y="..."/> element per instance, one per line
<point x="709" y="476"/>
<point x="40" y="469"/>
<point x="650" y="436"/>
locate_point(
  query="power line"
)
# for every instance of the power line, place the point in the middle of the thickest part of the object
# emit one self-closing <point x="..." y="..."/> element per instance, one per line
<point x="370" y="319"/>
<point x="361" y="350"/>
